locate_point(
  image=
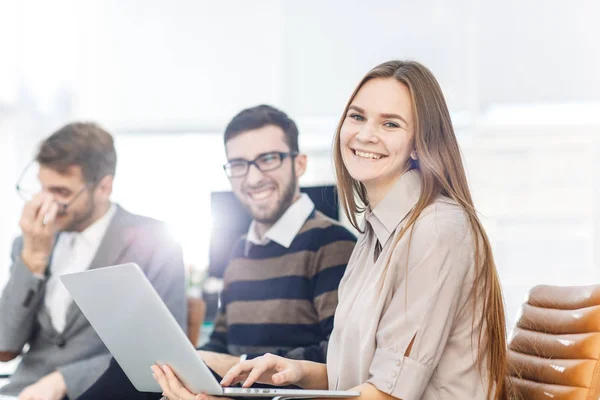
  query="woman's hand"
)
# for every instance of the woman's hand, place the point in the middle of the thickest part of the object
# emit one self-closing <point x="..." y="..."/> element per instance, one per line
<point x="173" y="389"/>
<point x="269" y="369"/>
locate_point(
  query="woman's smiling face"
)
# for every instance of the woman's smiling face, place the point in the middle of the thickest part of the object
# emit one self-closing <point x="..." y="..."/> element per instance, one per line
<point x="377" y="136"/>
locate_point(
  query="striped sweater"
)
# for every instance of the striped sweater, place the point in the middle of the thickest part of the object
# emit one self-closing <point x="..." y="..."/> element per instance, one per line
<point x="282" y="300"/>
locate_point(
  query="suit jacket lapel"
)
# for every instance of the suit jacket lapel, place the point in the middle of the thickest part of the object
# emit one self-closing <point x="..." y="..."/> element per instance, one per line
<point x="43" y="315"/>
<point x="113" y="243"/>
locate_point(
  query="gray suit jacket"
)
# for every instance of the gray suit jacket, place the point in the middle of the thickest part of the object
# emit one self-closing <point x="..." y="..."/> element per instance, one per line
<point x="77" y="352"/>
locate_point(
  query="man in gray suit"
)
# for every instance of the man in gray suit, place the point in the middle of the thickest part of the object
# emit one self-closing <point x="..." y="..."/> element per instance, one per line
<point x="69" y="226"/>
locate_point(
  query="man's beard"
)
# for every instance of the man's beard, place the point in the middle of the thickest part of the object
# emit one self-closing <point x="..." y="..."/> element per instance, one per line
<point x="79" y="219"/>
<point x="287" y="198"/>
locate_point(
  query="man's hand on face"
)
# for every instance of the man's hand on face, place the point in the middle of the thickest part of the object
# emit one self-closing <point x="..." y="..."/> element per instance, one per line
<point x="37" y="225"/>
<point x="50" y="387"/>
<point x="218" y="362"/>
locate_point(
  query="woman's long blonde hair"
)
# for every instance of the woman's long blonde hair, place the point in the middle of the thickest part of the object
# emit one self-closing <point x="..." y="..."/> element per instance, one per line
<point x="442" y="173"/>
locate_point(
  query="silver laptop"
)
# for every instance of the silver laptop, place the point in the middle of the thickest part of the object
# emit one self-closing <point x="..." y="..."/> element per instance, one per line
<point x="140" y="331"/>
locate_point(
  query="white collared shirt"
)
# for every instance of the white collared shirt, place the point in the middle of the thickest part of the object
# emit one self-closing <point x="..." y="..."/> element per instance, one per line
<point x="74" y="252"/>
<point x="286" y="228"/>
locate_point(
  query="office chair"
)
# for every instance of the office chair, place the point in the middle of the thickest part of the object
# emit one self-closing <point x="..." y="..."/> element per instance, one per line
<point x="554" y="351"/>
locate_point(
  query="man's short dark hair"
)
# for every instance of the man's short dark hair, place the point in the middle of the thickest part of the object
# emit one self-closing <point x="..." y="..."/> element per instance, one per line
<point x="260" y="116"/>
<point x="84" y="144"/>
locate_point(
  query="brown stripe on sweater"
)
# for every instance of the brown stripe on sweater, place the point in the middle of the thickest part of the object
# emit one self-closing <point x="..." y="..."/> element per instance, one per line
<point x="278" y="311"/>
<point x="319" y="221"/>
<point x="332" y="255"/>
<point x="220" y="323"/>
<point x="293" y="264"/>
<point x="326" y="304"/>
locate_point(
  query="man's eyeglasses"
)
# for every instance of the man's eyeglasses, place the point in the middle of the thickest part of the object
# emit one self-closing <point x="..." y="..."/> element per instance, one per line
<point x="28" y="194"/>
<point x="265" y="162"/>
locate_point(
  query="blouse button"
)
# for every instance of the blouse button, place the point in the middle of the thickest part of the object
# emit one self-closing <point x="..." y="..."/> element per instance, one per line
<point x="394" y="374"/>
<point x="389" y="386"/>
<point x="398" y="363"/>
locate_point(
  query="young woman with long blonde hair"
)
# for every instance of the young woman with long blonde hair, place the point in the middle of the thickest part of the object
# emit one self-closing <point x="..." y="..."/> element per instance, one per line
<point x="420" y="312"/>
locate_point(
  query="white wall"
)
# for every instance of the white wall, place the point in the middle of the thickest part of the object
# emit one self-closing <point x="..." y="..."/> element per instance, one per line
<point x="329" y="46"/>
<point x="181" y="63"/>
<point x="538" y="51"/>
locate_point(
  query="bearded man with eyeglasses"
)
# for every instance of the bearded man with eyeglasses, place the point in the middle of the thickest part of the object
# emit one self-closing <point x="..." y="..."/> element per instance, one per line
<point x="69" y="224"/>
<point x="280" y="286"/>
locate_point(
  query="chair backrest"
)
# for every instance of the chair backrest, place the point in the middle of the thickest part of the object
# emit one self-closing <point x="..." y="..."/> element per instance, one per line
<point x="196" y="313"/>
<point x="554" y="350"/>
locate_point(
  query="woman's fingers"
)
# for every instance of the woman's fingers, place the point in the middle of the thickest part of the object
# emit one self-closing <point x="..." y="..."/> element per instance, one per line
<point x="161" y="378"/>
<point x="247" y="372"/>
<point x="174" y="383"/>
<point x="259" y="368"/>
<point x="265" y="369"/>
<point x="283" y="377"/>
<point x="232" y="376"/>
<point x="239" y="379"/>
<point x="176" y="386"/>
<point x="172" y="388"/>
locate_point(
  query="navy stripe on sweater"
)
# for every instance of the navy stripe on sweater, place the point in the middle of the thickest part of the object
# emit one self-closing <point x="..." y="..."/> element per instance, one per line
<point x="308" y="278"/>
<point x="311" y="240"/>
<point x="276" y="335"/>
<point x="287" y="287"/>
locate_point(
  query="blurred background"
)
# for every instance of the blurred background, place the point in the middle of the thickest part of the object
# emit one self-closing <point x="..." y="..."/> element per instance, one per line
<point x="522" y="80"/>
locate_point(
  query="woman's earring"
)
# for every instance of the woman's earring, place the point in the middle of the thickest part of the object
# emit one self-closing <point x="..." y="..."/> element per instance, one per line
<point x="413" y="155"/>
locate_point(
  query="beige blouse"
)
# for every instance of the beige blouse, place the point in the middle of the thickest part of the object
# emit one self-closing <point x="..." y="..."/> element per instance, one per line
<point x="423" y="294"/>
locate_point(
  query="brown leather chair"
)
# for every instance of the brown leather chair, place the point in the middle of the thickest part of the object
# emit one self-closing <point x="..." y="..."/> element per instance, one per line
<point x="554" y="351"/>
<point x="196" y="314"/>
